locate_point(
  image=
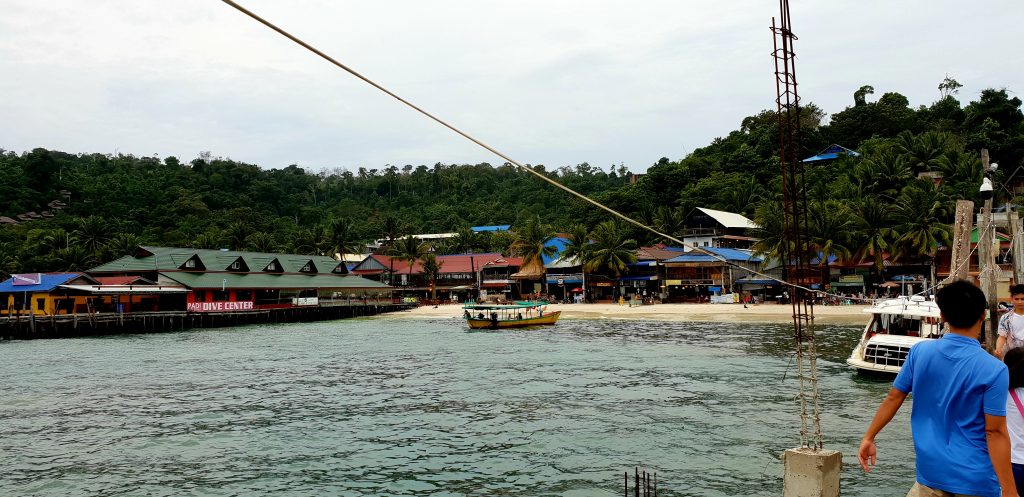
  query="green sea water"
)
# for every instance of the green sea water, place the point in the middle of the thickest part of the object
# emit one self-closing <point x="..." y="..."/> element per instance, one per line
<point x="391" y="406"/>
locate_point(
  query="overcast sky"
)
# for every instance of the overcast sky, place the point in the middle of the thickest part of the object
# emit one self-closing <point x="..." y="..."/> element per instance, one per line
<point x="546" y="82"/>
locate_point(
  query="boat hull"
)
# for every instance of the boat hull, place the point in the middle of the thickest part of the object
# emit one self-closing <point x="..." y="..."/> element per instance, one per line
<point x="546" y="319"/>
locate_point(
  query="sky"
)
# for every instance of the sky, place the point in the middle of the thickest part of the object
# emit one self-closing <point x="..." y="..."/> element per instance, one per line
<point x="557" y="83"/>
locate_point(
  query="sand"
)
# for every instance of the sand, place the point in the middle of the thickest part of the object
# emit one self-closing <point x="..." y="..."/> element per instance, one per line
<point x="765" y="313"/>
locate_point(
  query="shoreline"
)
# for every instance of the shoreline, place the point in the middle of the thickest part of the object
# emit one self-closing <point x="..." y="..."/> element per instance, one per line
<point x="760" y="313"/>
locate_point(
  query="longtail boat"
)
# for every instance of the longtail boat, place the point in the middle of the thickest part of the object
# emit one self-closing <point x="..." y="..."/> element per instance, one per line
<point x="517" y="315"/>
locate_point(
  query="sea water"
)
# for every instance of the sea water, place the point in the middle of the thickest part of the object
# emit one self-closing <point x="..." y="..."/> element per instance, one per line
<point x="392" y="406"/>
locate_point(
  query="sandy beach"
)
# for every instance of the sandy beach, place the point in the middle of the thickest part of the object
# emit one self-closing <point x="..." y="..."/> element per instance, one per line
<point x="766" y="313"/>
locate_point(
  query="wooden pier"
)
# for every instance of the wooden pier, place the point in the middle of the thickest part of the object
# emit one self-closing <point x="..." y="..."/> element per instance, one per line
<point x="110" y="323"/>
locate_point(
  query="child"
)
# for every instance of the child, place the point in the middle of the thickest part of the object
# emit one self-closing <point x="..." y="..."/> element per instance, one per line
<point x="1011" y="325"/>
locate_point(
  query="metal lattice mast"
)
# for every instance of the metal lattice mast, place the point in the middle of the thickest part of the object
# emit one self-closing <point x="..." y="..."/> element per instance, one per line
<point x="795" y="254"/>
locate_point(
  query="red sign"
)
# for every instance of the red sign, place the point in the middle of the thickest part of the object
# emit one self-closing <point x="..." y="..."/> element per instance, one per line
<point x="219" y="306"/>
<point x="27" y="279"/>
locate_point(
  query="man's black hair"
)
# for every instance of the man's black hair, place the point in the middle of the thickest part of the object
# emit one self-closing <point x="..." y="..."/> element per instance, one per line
<point x="1017" y="289"/>
<point x="961" y="303"/>
<point x="1014" y="360"/>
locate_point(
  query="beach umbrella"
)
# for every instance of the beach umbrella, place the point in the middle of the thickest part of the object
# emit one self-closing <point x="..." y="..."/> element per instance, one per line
<point x="577" y="289"/>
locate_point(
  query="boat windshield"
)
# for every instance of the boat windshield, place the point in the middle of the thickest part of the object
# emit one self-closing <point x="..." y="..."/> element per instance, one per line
<point x="903" y="325"/>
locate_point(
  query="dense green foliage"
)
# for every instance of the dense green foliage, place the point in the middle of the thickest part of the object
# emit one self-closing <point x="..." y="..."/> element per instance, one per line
<point x="862" y="206"/>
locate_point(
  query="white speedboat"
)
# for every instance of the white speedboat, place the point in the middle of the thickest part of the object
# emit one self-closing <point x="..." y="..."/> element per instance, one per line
<point x="895" y="326"/>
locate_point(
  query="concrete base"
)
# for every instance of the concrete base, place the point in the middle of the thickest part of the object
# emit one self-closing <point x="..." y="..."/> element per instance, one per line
<point x="811" y="473"/>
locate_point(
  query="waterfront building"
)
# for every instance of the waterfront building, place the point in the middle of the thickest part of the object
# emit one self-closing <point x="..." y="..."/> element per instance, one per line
<point x="54" y="294"/>
<point x="704" y="227"/>
<point x="461" y="276"/>
<point x="225" y="280"/>
<point x="695" y="276"/>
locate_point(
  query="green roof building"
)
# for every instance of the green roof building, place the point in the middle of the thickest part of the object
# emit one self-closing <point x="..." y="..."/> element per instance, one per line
<point x="225" y="280"/>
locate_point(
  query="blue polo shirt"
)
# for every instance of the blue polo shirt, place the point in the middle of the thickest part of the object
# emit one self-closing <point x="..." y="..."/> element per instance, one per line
<point x="955" y="383"/>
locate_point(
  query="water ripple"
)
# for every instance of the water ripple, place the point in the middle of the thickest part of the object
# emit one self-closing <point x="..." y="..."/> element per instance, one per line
<point x="402" y="407"/>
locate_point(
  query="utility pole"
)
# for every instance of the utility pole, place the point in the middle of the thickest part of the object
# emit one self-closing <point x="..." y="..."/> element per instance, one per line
<point x="1016" y="246"/>
<point x="986" y="260"/>
<point x="961" y="261"/>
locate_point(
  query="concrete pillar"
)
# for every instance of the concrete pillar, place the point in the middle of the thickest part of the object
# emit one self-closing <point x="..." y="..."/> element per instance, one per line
<point x="811" y="473"/>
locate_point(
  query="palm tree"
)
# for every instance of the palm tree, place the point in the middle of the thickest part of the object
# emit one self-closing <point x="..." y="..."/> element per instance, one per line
<point x="431" y="271"/>
<point x="830" y="226"/>
<point x="874" y="234"/>
<point x="210" y="239"/>
<point x="578" y="247"/>
<point x="530" y="242"/>
<point x="391" y="230"/>
<point x="92" y="234"/>
<point x="409" y="249"/>
<point x="342" y="233"/>
<point x="611" y="249"/>
<point x="261" y="241"/>
<point x="771" y="231"/>
<point x="122" y="244"/>
<point x="312" y="241"/>
<point x="920" y="210"/>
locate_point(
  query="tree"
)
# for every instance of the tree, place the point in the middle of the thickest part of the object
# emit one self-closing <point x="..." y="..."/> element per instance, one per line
<point x="612" y="251"/>
<point x="409" y="249"/>
<point x="860" y="96"/>
<point x="530" y="242"/>
<point x="342" y="233"/>
<point x="432" y="271"/>
<point x="874" y="235"/>
<point x="948" y="87"/>
<point x="920" y="210"/>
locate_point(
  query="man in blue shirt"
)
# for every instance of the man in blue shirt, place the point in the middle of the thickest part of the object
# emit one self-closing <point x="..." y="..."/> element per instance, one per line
<point x="958" y="418"/>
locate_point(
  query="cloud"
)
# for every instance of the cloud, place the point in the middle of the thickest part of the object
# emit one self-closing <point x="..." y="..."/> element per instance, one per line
<point x="557" y="83"/>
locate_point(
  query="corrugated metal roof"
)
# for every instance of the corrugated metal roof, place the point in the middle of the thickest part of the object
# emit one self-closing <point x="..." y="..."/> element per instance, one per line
<point x="274" y="281"/>
<point x="729" y="254"/>
<point x="48" y="281"/>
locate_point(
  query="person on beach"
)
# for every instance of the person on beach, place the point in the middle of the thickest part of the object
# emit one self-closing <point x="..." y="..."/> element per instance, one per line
<point x="1014" y="361"/>
<point x="958" y="419"/>
<point x="1011" y="325"/>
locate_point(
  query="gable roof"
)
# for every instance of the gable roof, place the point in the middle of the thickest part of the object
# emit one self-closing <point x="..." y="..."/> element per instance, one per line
<point x="454" y="263"/>
<point x="658" y="252"/>
<point x="148" y="258"/>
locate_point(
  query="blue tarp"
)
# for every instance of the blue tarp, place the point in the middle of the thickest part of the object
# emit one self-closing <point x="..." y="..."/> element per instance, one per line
<point x="729" y="254"/>
<point x="497" y="227"/>
<point x="49" y="282"/>
<point x="832" y="152"/>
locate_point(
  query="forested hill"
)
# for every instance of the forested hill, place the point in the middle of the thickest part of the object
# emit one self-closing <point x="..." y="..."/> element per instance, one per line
<point x="876" y="200"/>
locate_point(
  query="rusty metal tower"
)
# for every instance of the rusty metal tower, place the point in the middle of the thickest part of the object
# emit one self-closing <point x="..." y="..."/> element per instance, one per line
<point x="795" y="253"/>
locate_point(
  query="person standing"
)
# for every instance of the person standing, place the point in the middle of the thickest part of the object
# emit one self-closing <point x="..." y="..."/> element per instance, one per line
<point x="958" y="419"/>
<point x="1011" y="325"/>
<point x="1015" y="414"/>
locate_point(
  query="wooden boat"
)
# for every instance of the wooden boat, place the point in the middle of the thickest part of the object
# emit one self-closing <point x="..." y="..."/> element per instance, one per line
<point x="517" y="315"/>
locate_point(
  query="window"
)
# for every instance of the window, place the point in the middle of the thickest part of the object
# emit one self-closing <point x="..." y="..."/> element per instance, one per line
<point x="236" y="265"/>
<point x="221" y="295"/>
<point x="243" y="295"/>
<point x="191" y="263"/>
<point x="40" y="304"/>
<point x="272" y="266"/>
<point x="307" y="268"/>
